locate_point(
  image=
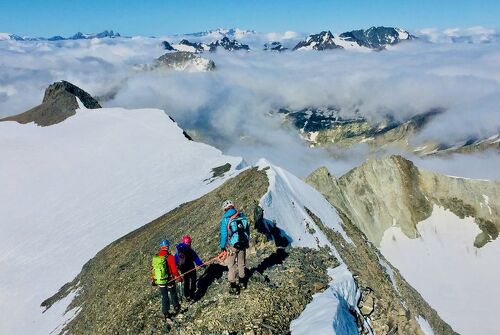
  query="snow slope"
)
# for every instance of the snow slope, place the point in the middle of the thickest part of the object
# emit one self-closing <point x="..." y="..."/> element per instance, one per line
<point x="70" y="189"/>
<point x="328" y="313"/>
<point x="454" y="277"/>
<point x="284" y="204"/>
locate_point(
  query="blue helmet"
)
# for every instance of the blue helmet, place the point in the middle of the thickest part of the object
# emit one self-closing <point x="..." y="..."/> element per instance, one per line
<point x="164" y="243"/>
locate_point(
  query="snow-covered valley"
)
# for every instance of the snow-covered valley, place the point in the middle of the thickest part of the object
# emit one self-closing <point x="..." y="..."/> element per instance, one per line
<point x="455" y="277"/>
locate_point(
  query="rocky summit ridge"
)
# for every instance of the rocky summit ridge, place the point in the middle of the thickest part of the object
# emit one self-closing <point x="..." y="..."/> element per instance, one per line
<point x="59" y="102"/>
<point x="113" y="294"/>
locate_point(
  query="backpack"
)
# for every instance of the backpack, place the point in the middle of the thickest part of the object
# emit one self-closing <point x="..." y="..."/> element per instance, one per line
<point x="184" y="258"/>
<point x="160" y="269"/>
<point x="238" y="232"/>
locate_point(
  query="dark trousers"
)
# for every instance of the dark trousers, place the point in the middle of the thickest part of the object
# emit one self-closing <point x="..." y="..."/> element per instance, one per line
<point x="190" y="284"/>
<point x="165" y="301"/>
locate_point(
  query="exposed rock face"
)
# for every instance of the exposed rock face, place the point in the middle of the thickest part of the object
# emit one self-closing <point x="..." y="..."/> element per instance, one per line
<point x="115" y="294"/>
<point x="377" y="37"/>
<point x="187" y="46"/>
<point x="167" y="46"/>
<point x="59" y="103"/>
<point x="322" y="41"/>
<point x="228" y="45"/>
<point x="184" y="61"/>
<point x="274" y="46"/>
<point x="327" y="126"/>
<point x="392" y="191"/>
<point x="387" y="300"/>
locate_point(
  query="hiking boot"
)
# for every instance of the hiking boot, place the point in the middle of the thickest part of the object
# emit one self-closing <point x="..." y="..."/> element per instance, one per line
<point x="234" y="289"/>
<point x="242" y="283"/>
<point x="167" y="318"/>
<point x="177" y="309"/>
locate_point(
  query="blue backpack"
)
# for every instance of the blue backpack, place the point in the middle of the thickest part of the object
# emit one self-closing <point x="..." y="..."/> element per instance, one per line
<point x="238" y="232"/>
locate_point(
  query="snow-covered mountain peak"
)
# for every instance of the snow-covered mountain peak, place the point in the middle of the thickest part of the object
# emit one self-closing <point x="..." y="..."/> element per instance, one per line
<point x="228" y="45"/>
<point x="219" y="33"/>
<point x="184" y="61"/>
<point x="322" y="41"/>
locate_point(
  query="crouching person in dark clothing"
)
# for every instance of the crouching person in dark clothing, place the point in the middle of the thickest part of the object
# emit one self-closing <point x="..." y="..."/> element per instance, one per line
<point x="164" y="273"/>
<point x="186" y="260"/>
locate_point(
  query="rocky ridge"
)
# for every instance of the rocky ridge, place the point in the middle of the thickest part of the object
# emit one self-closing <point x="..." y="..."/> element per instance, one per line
<point x="282" y="278"/>
<point x="59" y="102"/>
<point x="387" y="303"/>
<point x="393" y="191"/>
<point x="184" y="61"/>
<point x="274" y="46"/>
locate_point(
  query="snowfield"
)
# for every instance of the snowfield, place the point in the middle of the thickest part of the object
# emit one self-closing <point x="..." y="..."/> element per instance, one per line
<point x="284" y="205"/>
<point x="70" y="189"/>
<point x="454" y="277"/>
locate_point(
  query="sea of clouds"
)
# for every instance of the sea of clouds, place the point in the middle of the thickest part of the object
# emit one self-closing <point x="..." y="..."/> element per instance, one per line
<point x="233" y="107"/>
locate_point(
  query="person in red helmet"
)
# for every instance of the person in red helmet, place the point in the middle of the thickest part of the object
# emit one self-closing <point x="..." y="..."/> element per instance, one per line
<point x="186" y="260"/>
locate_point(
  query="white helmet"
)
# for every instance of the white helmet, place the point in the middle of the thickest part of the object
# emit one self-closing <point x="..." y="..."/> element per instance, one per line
<point x="226" y="204"/>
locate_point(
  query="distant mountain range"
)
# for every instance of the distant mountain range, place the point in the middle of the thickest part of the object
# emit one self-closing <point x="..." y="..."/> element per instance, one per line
<point x="77" y="36"/>
<point x="234" y="33"/>
<point x="374" y="38"/>
<point x="196" y="47"/>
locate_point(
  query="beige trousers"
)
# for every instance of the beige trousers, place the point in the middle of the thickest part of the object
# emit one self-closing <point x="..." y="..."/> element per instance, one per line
<point x="235" y="262"/>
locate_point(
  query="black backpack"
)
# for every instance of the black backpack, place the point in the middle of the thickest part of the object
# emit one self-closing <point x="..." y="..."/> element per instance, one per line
<point x="185" y="259"/>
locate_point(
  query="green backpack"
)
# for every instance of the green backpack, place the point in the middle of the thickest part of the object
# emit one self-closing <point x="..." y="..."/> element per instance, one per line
<point x="160" y="270"/>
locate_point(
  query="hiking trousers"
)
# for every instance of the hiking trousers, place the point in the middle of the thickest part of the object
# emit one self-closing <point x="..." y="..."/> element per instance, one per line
<point x="167" y="291"/>
<point x="189" y="285"/>
<point x="236" y="260"/>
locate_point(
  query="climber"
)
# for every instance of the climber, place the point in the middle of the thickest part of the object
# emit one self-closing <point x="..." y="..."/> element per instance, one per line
<point x="164" y="273"/>
<point x="234" y="240"/>
<point x="186" y="259"/>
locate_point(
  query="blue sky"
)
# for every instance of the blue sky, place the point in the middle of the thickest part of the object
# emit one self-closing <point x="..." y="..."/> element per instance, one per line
<point x="156" y="17"/>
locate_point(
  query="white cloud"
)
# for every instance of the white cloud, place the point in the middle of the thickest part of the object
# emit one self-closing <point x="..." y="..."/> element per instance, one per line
<point x="231" y="106"/>
<point x="476" y="34"/>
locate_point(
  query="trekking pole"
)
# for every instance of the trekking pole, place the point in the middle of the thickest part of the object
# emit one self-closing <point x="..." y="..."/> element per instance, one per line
<point x="194" y="269"/>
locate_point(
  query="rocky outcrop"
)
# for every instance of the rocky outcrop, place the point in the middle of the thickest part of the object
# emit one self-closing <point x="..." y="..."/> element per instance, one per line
<point x="393" y="192"/>
<point x="274" y="46"/>
<point x="387" y="302"/>
<point x="167" y="46"/>
<point x="328" y="126"/>
<point x="59" y="103"/>
<point x="228" y="45"/>
<point x="184" y="61"/>
<point x="188" y="46"/>
<point x="322" y="41"/>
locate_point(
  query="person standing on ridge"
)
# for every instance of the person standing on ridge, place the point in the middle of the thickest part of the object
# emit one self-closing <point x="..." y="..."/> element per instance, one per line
<point x="186" y="259"/>
<point x="164" y="273"/>
<point x="234" y="240"/>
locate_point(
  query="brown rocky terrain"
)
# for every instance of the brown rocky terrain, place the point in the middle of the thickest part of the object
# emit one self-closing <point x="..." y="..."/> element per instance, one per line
<point x="59" y="103"/>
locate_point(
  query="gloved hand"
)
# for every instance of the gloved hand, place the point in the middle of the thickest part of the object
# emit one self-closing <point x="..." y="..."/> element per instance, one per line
<point x="179" y="279"/>
<point x="153" y="283"/>
<point x="223" y="255"/>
